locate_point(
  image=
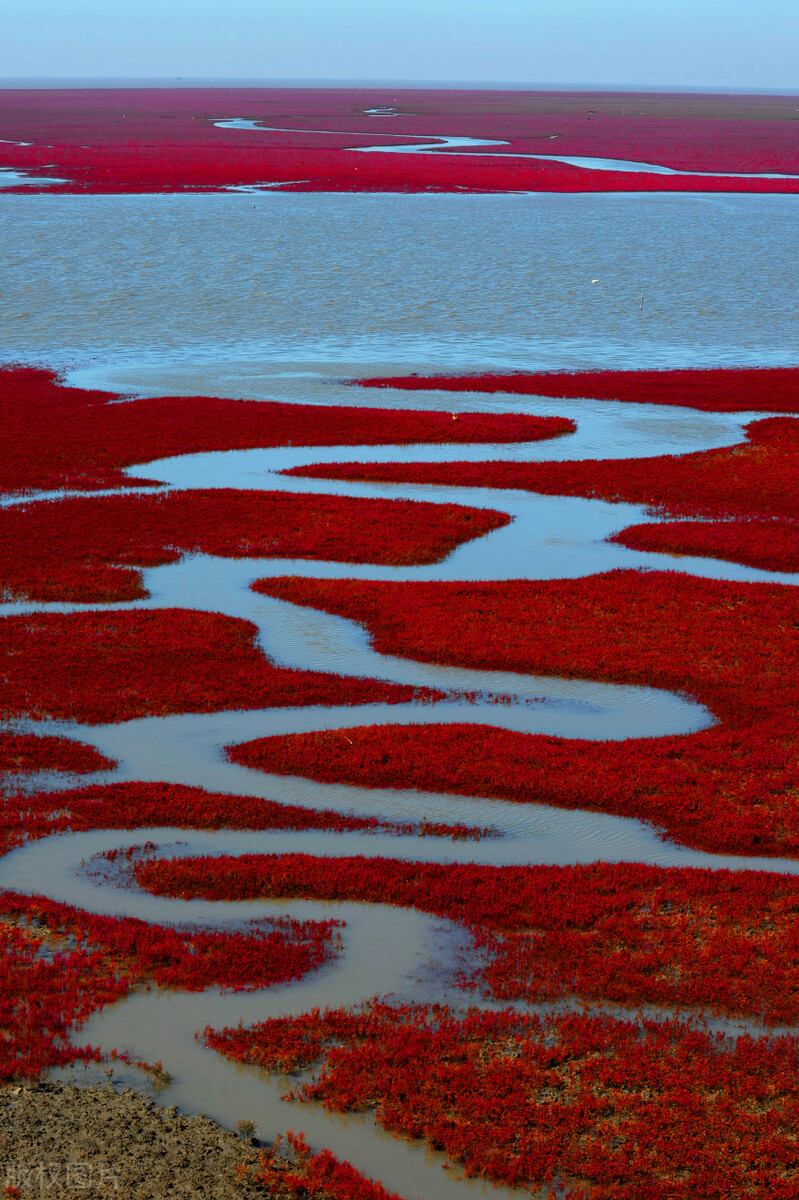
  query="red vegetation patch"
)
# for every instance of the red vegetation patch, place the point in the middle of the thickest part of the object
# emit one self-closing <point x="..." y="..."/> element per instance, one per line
<point x="117" y="666"/>
<point x="310" y="1176"/>
<point x="616" y="1110"/>
<point x="59" y="437"/>
<point x="24" y="752"/>
<point x="733" y="647"/>
<point x="267" y="952"/>
<point x="757" y="478"/>
<point x="620" y="932"/>
<point x="74" y="549"/>
<point x="139" y="805"/>
<point x="42" y="996"/>
<point x="151" y="140"/>
<point x="769" y="545"/>
<point x="718" y="389"/>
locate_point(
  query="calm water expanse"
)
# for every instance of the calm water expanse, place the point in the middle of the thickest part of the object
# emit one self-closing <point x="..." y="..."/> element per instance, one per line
<point x="420" y="281"/>
<point x="271" y="296"/>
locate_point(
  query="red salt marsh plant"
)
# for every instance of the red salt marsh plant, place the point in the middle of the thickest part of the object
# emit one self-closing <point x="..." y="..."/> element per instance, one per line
<point x="90" y="549"/>
<point x="58" y="965"/>
<point x="258" y="955"/>
<point x="146" y="169"/>
<point x="289" y="1169"/>
<point x="116" y="666"/>
<point x="770" y="545"/>
<point x="22" y="753"/>
<point x="63" y="437"/>
<point x="626" y="933"/>
<point x="714" y="389"/>
<point x="733" y="647"/>
<point x="41" y="999"/>
<point x="591" y="1106"/>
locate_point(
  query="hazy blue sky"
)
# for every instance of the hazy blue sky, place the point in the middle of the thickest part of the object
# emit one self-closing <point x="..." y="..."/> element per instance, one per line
<point x="707" y="43"/>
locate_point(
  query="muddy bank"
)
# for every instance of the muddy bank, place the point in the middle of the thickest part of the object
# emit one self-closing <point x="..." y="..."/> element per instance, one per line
<point x="69" y="1142"/>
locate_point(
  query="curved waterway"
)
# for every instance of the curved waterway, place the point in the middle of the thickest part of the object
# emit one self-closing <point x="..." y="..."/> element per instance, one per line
<point x="471" y="147"/>
<point x="385" y="949"/>
<point x="11" y="178"/>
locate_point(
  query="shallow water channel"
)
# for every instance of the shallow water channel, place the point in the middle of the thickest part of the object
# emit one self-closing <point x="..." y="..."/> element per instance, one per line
<point x="471" y="147"/>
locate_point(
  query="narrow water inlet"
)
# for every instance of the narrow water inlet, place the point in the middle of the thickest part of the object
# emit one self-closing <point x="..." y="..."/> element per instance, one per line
<point x="471" y="147"/>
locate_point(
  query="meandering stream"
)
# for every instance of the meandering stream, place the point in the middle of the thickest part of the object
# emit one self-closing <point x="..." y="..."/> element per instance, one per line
<point x="471" y="147"/>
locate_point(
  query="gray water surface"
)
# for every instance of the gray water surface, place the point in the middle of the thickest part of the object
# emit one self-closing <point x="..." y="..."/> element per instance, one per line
<point x="411" y="281"/>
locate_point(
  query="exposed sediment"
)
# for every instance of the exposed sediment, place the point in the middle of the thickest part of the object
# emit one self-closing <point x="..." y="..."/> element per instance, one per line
<point x="57" y="1140"/>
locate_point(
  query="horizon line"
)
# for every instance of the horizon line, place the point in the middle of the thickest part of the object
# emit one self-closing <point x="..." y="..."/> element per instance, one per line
<point x="47" y="82"/>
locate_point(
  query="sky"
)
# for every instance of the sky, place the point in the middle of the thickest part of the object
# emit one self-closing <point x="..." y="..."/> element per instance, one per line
<point x="668" y="43"/>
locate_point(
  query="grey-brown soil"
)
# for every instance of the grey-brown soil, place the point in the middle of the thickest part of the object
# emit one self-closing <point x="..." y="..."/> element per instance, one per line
<point x="97" y="1143"/>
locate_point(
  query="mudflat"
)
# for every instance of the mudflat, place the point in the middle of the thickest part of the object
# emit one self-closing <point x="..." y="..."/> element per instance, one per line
<point x="70" y="1142"/>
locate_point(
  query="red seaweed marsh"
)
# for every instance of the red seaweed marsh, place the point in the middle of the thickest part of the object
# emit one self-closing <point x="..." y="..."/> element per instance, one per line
<point x="400" y="639"/>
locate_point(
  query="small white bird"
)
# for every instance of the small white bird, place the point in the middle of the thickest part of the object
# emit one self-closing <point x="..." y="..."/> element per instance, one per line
<point x="595" y="281"/>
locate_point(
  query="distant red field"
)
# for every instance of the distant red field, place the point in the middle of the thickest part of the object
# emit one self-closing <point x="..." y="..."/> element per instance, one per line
<point x="155" y="140"/>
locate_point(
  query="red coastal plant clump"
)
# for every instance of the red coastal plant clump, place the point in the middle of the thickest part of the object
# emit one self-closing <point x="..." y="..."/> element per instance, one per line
<point x="714" y="389"/>
<point x="733" y="647"/>
<point x="103" y="667"/>
<point x="769" y="545"/>
<point x="25" y="752"/>
<point x="42" y="998"/>
<point x="310" y="1176"/>
<point x="625" y="933"/>
<point x="62" y="437"/>
<point x="723" y="790"/>
<point x="264" y="953"/>
<point x="138" y="805"/>
<point x="593" y="1107"/>
<point x="89" y="549"/>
